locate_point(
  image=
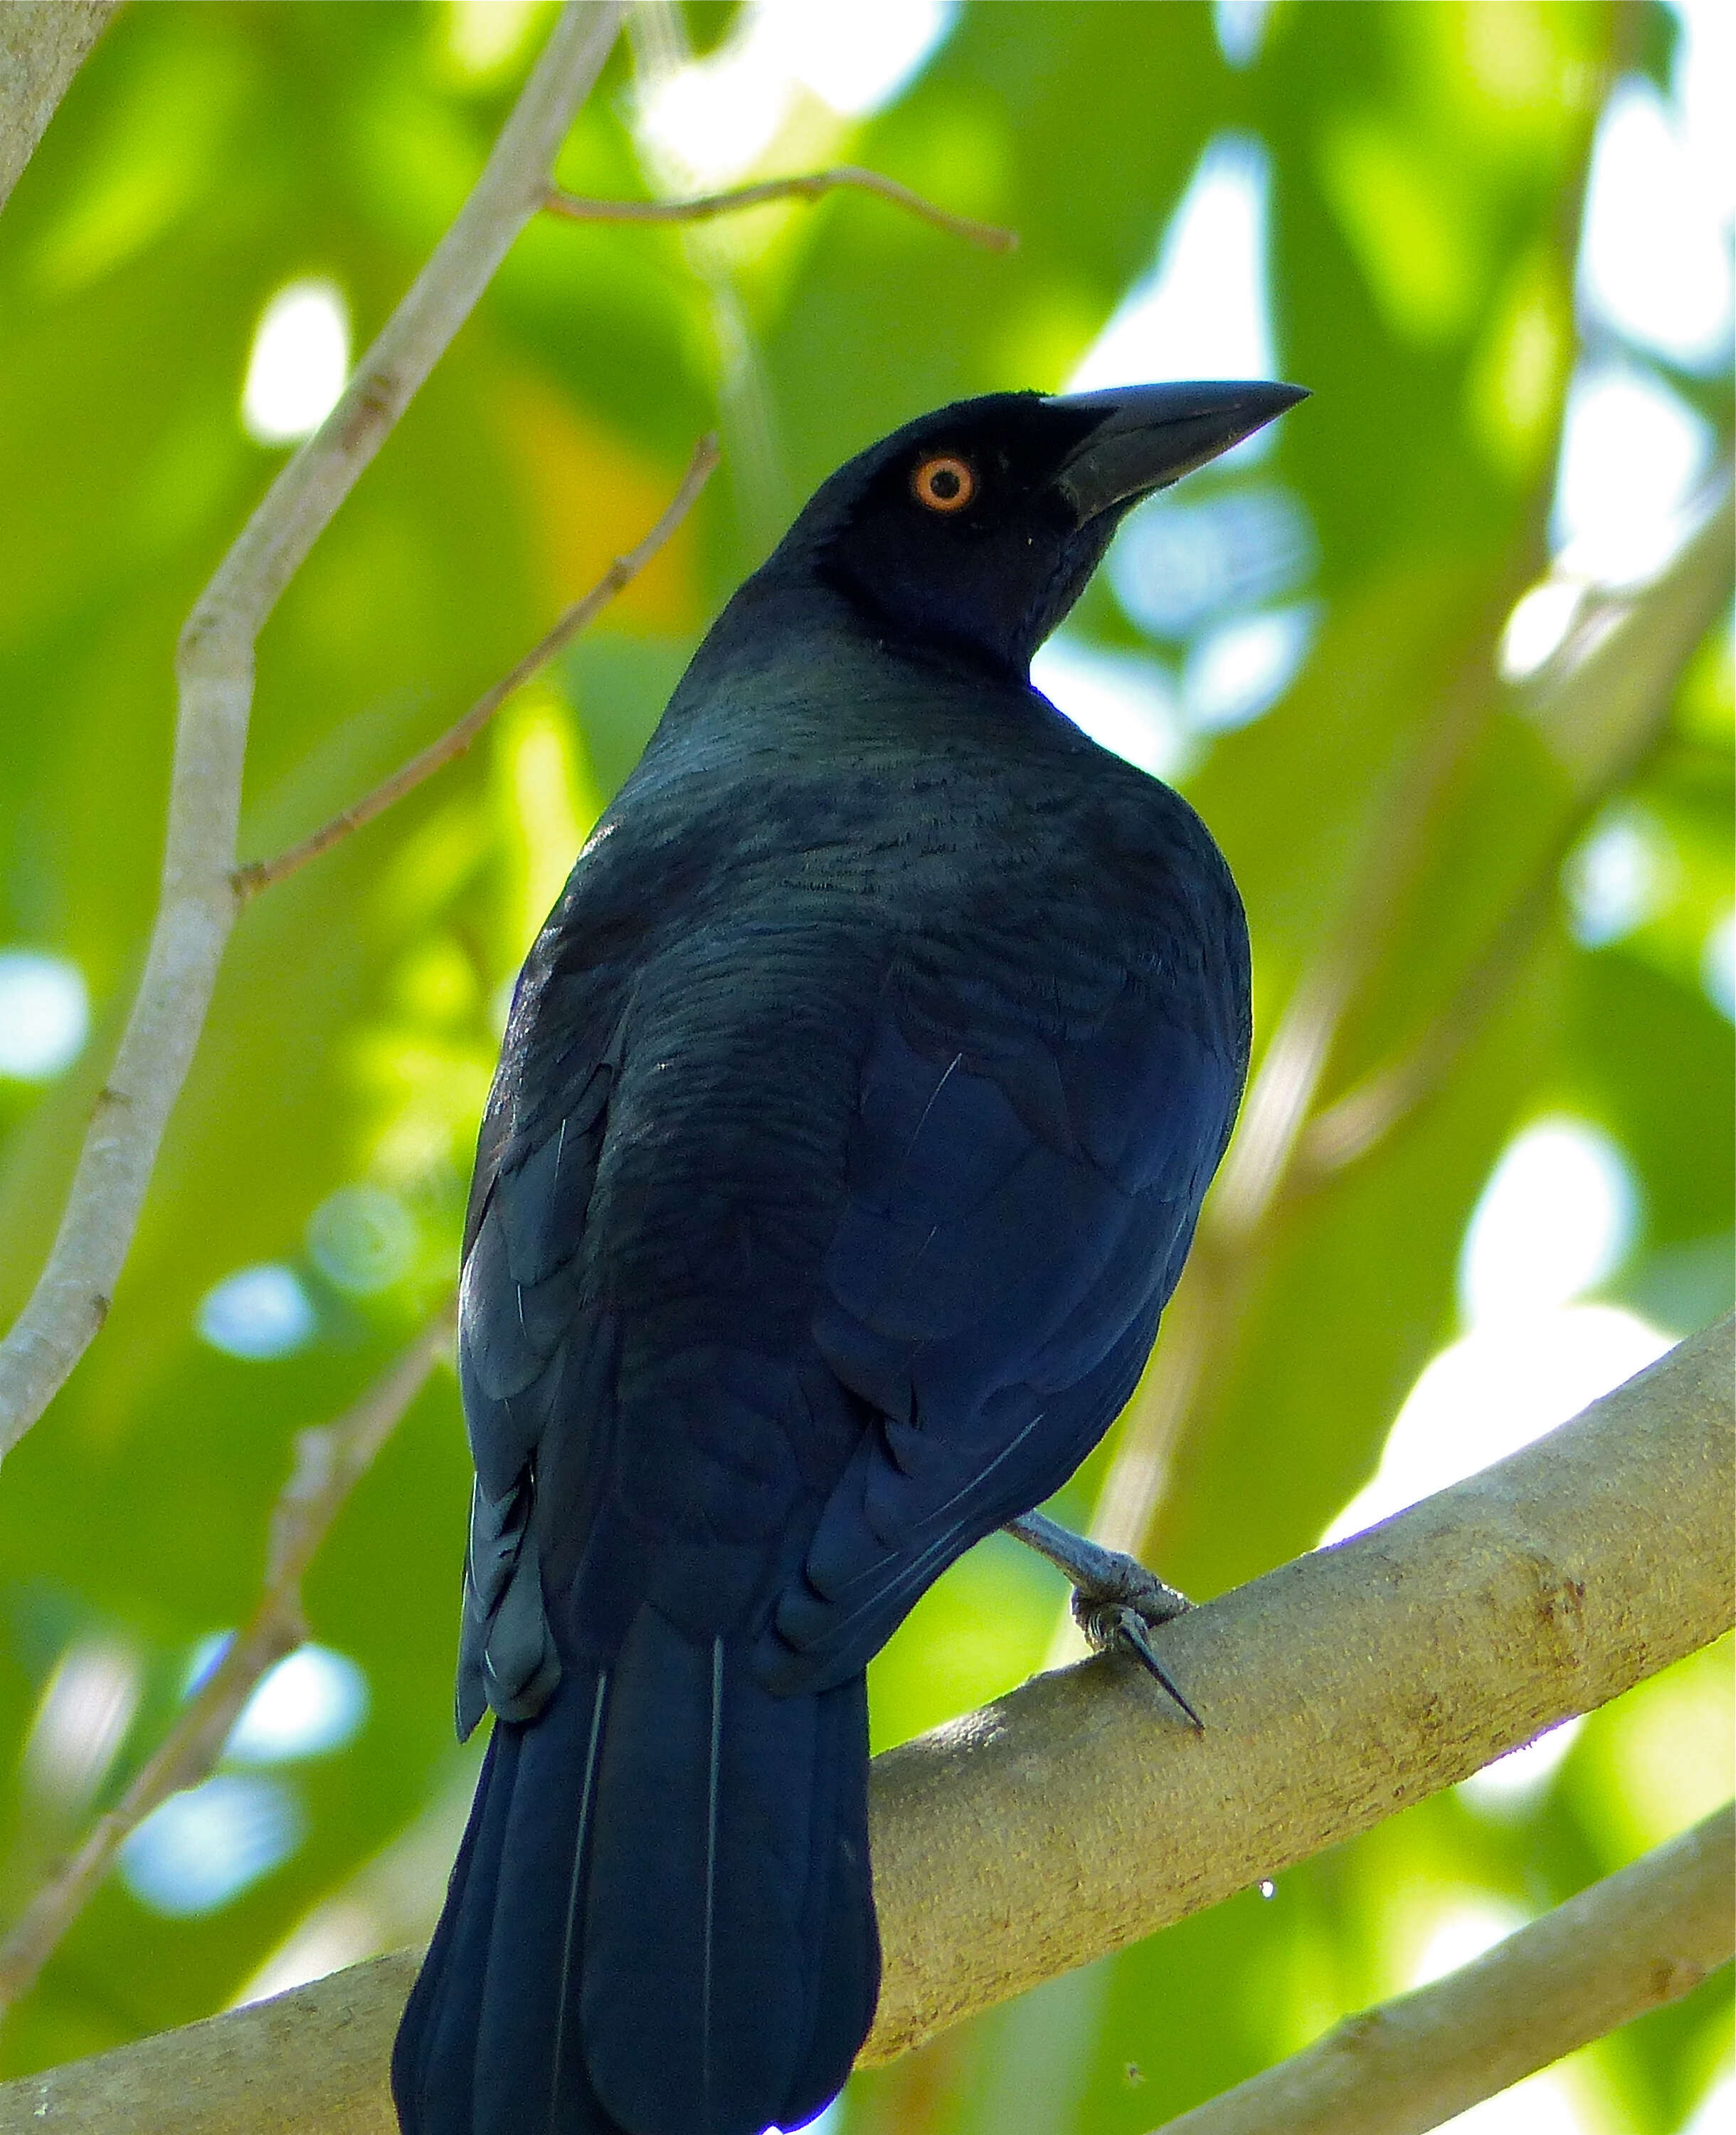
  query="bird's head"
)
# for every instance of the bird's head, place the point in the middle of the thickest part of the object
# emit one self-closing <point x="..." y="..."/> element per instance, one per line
<point x="977" y="527"/>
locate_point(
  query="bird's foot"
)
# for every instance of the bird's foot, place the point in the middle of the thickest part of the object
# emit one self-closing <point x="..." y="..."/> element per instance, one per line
<point x="1116" y="1601"/>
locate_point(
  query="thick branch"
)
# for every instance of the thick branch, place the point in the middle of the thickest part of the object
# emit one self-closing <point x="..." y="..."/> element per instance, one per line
<point x="43" y="43"/>
<point x="810" y="186"/>
<point x="330" y="1462"/>
<point x="1082" y="1812"/>
<point x="215" y="666"/>
<point x="1643" y="1937"/>
<point x="258" y="874"/>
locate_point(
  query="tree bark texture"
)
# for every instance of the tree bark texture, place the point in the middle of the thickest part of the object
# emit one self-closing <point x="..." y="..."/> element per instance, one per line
<point x="43" y="43"/>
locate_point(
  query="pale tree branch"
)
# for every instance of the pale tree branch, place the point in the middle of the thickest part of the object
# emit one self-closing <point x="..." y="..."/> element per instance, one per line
<point x="329" y="1463"/>
<point x="43" y="43"/>
<point x="1082" y="1812"/>
<point x="259" y="875"/>
<point x="811" y="186"/>
<point x="199" y="900"/>
<point x="1641" y="1937"/>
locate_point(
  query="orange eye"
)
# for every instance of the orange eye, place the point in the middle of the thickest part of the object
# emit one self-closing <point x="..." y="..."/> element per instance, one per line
<point x="945" y="483"/>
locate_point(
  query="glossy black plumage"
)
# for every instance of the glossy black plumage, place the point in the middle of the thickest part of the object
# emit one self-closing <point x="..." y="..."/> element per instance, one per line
<point x="853" y="1119"/>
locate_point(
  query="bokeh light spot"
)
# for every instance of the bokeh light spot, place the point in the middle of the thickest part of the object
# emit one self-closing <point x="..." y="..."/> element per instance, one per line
<point x="1632" y="454"/>
<point x="203" y="1847"/>
<point x="1240" y="28"/>
<point x="1243" y="667"/>
<point x="1616" y="880"/>
<point x="1555" y="1218"/>
<point x="1180" y="561"/>
<point x="45" y="1014"/>
<point x="1204" y="311"/>
<point x="1718" y="967"/>
<point x="1511" y="1787"/>
<point x="298" y="364"/>
<point x="1654" y="262"/>
<point x="361" y="1239"/>
<point x="313" y="1702"/>
<point x="1125" y="701"/>
<point x="258" y="1313"/>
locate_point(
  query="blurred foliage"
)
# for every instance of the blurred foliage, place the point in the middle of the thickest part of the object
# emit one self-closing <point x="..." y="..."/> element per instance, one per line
<point x="1427" y="163"/>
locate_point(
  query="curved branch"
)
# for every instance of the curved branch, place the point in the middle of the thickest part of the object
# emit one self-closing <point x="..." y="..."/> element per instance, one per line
<point x="1641" y="1937"/>
<point x="811" y="185"/>
<point x="215" y="666"/>
<point x="260" y="874"/>
<point x="1082" y="1812"/>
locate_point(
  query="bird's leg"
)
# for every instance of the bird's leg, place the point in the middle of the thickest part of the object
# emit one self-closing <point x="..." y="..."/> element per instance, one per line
<point x="1115" y="1597"/>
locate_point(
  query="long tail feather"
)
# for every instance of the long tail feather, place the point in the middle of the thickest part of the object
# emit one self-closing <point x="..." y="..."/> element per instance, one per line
<point x="660" y="1922"/>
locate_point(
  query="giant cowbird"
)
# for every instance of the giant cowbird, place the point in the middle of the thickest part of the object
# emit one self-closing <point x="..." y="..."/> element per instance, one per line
<point x="853" y="1115"/>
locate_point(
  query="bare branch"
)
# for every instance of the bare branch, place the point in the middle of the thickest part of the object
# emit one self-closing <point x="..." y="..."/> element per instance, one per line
<point x="329" y="1463"/>
<point x="43" y="43"/>
<point x="1082" y="1812"/>
<point x="809" y="187"/>
<point x="215" y="665"/>
<point x="258" y="874"/>
<point x="1641" y="1937"/>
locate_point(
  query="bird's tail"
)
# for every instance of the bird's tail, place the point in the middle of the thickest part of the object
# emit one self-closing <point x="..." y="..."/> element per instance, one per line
<point x="661" y="1919"/>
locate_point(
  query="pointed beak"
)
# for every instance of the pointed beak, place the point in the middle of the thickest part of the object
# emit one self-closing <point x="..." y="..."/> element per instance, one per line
<point x="1150" y="436"/>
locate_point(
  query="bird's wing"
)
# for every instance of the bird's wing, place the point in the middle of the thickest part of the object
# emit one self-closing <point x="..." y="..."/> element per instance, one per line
<point x="1019" y="1206"/>
<point x="527" y="1345"/>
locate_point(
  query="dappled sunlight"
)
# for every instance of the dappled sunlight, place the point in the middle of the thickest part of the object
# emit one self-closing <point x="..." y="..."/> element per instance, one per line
<point x="1526" y="946"/>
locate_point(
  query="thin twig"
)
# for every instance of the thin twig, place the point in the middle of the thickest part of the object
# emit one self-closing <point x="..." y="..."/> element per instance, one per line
<point x="808" y="186"/>
<point x="257" y="875"/>
<point x="215" y="666"/>
<point x="329" y="1462"/>
<point x="1641" y="1939"/>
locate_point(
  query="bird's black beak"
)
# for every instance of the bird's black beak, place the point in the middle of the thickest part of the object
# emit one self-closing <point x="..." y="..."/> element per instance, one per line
<point x="1150" y="436"/>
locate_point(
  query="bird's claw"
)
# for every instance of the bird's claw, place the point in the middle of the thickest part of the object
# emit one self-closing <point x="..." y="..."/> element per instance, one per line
<point x="1108" y="1619"/>
<point x="1116" y="1601"/>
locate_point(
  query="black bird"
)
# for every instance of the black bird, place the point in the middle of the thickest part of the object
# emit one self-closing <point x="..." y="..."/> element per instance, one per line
<point x="853" y="1115"/>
